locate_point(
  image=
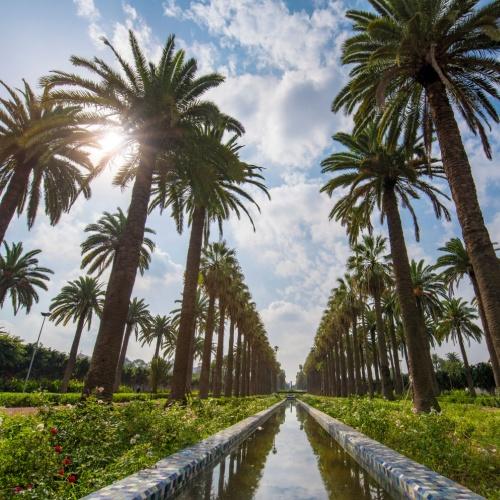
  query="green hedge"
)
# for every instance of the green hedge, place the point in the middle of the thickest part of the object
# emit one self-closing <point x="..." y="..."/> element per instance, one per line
<point x="19" y="399"/>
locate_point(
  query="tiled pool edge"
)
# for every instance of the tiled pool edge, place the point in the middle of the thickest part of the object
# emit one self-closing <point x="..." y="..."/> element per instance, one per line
<point x="399" y="475"/>
<point x="168" y="475"/>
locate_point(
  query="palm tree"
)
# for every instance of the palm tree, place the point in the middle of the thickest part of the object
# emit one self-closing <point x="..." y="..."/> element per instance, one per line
<point x="100" y="247"/>
<point x="382" y="175"/>
<point x="456" y="264"/>
<point x="373" y="275"/>
<point x="456" y="322"/>
<point x="20" y="276"/>
<point x="157" y="105"/>
<point x="421" y="62"/>
<point x="41" y="156"/>
<point x="138" y="319"/>
<point x="161" y="331"/>
<point x="77" y="302"/>
<point x="210" y="188"/>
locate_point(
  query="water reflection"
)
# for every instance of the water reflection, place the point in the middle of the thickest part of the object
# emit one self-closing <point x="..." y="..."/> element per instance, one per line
<point x="292" y="457"/>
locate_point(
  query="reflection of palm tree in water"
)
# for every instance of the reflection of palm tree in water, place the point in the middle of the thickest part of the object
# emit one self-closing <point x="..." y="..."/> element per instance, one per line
<point x="245" y="466"/>
<point x="342" y="476"/>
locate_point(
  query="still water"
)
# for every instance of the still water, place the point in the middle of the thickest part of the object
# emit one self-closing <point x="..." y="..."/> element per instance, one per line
<point x="290" y="458"/>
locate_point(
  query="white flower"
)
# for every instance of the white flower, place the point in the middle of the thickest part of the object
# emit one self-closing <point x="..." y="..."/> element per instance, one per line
<point x="99" y="389"/>
<point x="69" y="405"/>
<point x="134" y="439"/>
<point x="100" y="401"/>
<point x="40" y="427"/>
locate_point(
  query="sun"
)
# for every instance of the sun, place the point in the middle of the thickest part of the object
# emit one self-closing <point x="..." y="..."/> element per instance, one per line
<point x="111" y="140"/>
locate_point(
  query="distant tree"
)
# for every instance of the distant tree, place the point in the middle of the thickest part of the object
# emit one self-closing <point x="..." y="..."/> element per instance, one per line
<point x="20" y="277"/>
<point x="78" y="301"/>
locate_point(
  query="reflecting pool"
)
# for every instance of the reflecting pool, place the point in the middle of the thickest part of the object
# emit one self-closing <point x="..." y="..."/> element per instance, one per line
<point x="290" y="457"/>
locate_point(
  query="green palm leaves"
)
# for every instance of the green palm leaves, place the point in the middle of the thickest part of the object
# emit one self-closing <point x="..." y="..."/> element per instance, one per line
<point x="402" y="48"/>
<point x="81" y="298"/>
<point x="41" y="156"/>
<point x="100" y="248"/>
<point x="21" y="276"/>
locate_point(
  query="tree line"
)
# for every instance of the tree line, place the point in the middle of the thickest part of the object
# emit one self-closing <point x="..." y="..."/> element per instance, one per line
<point x="415" y="66"/>
<point x="184" y="156"/>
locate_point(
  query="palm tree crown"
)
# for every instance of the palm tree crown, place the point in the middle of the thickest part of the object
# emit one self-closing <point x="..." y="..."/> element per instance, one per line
<point x="20" y="276"/>
<point x="79" y="298"/>
<point x="41" y="156"/>
<point x="99" y="249"/>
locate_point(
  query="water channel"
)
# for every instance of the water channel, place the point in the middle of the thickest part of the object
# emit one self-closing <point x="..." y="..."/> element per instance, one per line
<point x="290" y="457"/>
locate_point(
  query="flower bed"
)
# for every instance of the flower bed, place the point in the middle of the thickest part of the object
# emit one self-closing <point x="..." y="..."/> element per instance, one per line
<point x="67" y="453"/>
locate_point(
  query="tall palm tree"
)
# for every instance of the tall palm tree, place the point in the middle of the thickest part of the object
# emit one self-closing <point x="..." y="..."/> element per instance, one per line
<point x="382" y="175"/>
<point x="210" y="188"/>
<point x="159" y="330"/>
<point x="216" y="257"/>
<point x="456" y="264"/>
<point x="77" y="301"/>
<point x="422" y="62"/>
<point x="157" y="105"/>
<point x="374" y="275"/>
<point x="138" y="319"/>
<point x="457" y="322"/>
<point x="20" y="276"/>
<point x="41" y="156"/>
<point x="100" y="247"/>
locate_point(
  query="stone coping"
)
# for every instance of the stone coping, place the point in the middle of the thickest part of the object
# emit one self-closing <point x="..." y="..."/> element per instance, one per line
<point x="170" y="474"/>
<point x="397" y="474"/>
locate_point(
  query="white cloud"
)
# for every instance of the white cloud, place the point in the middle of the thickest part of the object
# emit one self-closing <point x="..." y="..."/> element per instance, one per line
<point x="171" y="9"/>
<point x="274" y="35"/>
<point x="87" y="9"/>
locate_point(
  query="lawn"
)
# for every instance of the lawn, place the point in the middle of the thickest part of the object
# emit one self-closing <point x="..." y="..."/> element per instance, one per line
<point x="69" y="452"/>
<point x="462" y="442"/>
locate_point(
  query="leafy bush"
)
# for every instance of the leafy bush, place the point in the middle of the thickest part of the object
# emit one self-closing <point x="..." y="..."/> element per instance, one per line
<point x="461" y="442"/>
<point x="14" y="399"/>
<point x="465" y="398"/>
<point x="67" y="453"/>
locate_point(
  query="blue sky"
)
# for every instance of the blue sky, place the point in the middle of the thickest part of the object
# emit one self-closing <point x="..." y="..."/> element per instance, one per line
<point x="281" y="62"/>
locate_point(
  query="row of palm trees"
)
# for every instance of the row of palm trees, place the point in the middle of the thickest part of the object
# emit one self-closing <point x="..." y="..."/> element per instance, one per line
<point x="414" y="63"/>
<point x="361" y="340"/>
<point x="183" y="156"/>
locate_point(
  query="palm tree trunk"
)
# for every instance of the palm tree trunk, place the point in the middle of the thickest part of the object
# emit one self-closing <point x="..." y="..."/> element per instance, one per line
<point x="228" y="388"/>
<point x="338" y="381"/>
<point x="121" y="359"/>
<point x="376" y="365"/>
<point x="351" y="388"/>
<point x="121" y="282"/>
<point x="343" y="370"/>
<point x="207" y="348"/>
<point x="219" y="358"/>
<point x="477" y="240"/>
<point x="237" y="371"/>
<point x="385" y="373"/>
<point x="73" y="352"/>
<point x="244" y="368"/>
<point x="398" y="385"/>
<point x="155" y="367"/>
<point x="424" y="398"/>
<point x="487" y="335"/>
<point x="468" y="373"/>
<point x="189" y="375"/>
<point x="357" y="360"/>
<point x="188" y="310"/>
<point x="17" y="185"/>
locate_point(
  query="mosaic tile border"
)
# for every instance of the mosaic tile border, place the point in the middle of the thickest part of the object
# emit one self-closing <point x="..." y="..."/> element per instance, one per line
<point x="170" y="474"/>
<point x="397" y="474"/>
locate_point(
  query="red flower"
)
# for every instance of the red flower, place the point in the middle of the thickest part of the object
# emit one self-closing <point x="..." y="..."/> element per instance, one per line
<point x="67" y="461"/>
<point x="61" y="472"/>
<point x="18" y="489"/>
<point x="58" y="448"/>
<point x="71" y="478"/>
<point x="53" y="431"/>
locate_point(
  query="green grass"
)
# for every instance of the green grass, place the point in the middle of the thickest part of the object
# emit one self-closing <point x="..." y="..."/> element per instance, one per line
<point x="19" y="399"/>
<point x="103" y="443"/>
<point x="462" y="442"/>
